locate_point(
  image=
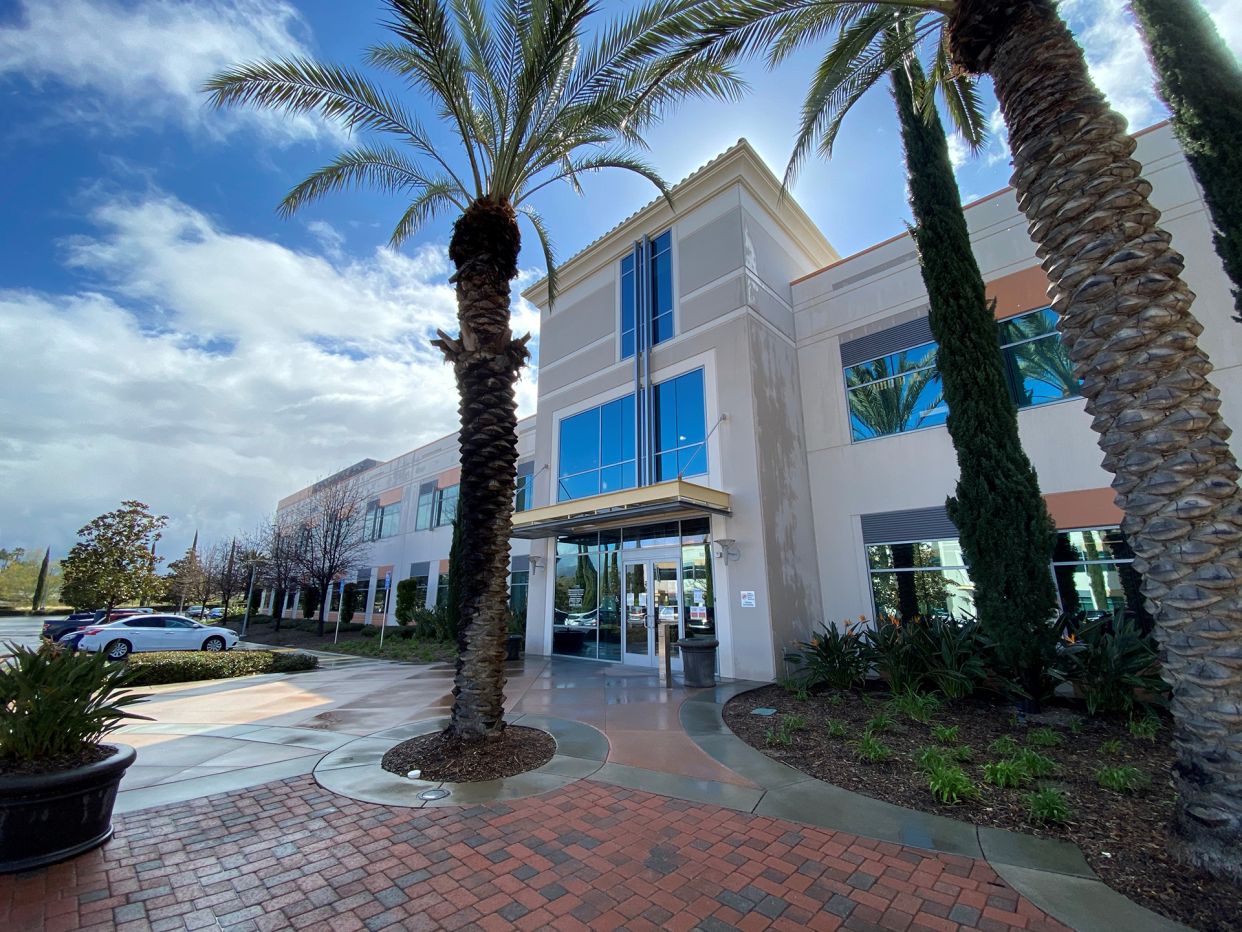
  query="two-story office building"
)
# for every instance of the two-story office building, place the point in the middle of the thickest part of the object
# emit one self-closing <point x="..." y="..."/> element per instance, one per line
<point x="742" y="433"/>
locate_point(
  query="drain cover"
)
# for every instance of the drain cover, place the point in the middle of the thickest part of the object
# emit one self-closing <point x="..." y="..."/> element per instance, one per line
<point x="433" y="794"/>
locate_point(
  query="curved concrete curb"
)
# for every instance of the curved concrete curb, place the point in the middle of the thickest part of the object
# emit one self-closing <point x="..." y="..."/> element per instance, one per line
<point x="354" y="770"/>
<point x="1051" y="874"/>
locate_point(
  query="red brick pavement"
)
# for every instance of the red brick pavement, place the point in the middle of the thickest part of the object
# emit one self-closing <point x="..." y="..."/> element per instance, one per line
<point x="288" y="855"/>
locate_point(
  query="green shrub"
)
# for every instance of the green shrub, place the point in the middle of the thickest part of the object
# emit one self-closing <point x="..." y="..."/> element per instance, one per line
<point x="880" y="722"/>
<point x="1076" y="725"/>
<point x="1111" y="747"/>
<point x="183" y="666"/>
<point x="1004" y="745"/>
<point x="1047" y="804"/>
<point x="406" y="633"/>
<point x="408" y="591"/>
<point x="55" y="703"/>
<point x="1045" y="738"/>
<point x="945" y="734"/>
<point x="949" y="783"/>
<point x="1005" y="773"/>
<point x="1034" y="763"/>
<point x="1124" y="779"/>
<point x="836" y="728"/>
<point x="834" y="699"/>
<point x="793" y="722"/>
<point x="927" y="758"/>
<point x="893" y="650"/>
<point x="919" y="706"/>
<point x="951" y="652"/>
<point x="792" y="685"/>
<point x="778" y="737"/>
<point x="837" y="658"/>
<point x="1145" y="727"/>
<point x="964" y="754"/>
<point x="870" y="749"/>
<point x="1108" y="666"/>
<point x="369" y="631"/>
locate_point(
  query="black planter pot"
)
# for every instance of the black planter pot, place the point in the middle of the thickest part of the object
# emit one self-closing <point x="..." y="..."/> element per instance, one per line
<point x="513" y="646"/>
<point x="48" y="817"/>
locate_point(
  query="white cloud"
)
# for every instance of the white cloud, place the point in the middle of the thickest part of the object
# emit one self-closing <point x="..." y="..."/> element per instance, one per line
<point x="208" y="373"/>
<point x="143" y="63"/>
<point x="959" y="150"/>
<point x="1115" y="54"/>
<point x="1228" y="17"/>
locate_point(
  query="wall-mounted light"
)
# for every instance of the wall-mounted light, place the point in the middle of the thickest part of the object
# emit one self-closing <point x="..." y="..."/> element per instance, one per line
<point x="535" y="562"/>
<point x="726" y="551"/>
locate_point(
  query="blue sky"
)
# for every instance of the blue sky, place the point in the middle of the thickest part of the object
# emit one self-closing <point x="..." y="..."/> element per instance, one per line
<point x="167" y="337"/>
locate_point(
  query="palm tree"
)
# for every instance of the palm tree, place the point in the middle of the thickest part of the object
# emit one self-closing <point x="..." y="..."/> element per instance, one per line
<point x="527" y="103"/>
<point x="1125" y="321"/>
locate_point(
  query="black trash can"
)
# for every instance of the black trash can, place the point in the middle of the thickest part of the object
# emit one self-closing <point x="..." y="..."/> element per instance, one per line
<point x="698" y="660"/>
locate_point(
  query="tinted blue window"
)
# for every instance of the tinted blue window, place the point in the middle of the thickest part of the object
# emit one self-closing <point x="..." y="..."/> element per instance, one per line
<point x="660" y="259"/>
<point x="1037" y="367"/>
<point x="597" y="451"/>
<point x="580" y="442"/>
<point x="895" y="393"/>
<point x="680" y="427"/>
<point x="662" y="287"/>
<point x="627" y="307"/>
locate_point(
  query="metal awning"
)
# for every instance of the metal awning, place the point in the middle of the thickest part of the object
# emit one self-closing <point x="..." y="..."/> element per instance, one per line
<point x="651" y="502"/>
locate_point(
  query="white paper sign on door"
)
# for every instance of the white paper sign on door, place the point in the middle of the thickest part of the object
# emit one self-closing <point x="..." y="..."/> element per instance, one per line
<point x="748" y="598"/>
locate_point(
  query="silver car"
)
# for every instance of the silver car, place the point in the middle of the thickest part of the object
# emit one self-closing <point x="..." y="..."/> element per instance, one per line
<point x="143" y="633"/>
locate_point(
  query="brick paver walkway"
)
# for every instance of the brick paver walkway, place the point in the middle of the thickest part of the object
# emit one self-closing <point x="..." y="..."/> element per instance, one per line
<point x="288" y="855"/>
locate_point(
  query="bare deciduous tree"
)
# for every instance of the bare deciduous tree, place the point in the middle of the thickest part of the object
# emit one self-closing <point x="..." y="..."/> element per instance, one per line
<point x="331" y="537"/>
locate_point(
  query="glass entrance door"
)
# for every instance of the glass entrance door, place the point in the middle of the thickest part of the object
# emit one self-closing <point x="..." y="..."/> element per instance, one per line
<point x="652" y="596"/>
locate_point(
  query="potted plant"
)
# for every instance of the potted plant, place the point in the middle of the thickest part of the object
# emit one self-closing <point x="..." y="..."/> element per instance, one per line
<point x="58" y="782"/>
<point x="515" y="635"/>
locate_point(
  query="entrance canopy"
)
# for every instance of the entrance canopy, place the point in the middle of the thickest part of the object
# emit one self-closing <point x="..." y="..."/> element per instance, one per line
<point x="664" y="500"/>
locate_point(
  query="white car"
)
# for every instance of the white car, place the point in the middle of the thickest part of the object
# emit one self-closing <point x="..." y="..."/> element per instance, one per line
<point x="142" y="633"/>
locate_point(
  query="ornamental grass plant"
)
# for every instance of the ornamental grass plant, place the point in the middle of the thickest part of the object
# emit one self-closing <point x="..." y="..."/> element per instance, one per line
<point x="58" y="704"/>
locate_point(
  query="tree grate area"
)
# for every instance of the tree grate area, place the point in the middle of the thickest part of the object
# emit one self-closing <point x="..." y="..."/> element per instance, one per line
<point x="451" y="760"/>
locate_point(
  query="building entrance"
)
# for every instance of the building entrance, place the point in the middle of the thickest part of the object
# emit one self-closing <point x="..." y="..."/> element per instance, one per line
<point x="652" y="597"/>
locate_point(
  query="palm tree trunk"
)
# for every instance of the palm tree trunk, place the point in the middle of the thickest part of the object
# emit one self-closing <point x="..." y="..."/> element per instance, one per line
<point x="1201" y="82"/>
<point x="486" y="361"/>
<point x="1006" y="533"/>
<point x="1125" y="320"/>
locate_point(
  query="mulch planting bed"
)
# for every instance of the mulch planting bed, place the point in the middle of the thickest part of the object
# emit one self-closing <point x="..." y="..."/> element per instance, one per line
<point x="92" y="754"/>
<point x="349" y="641"/>
<point x="451" y="760"/>
<point x="1123" y="836"/>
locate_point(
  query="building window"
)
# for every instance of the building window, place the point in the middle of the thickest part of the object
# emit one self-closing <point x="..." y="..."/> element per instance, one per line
<point x="680" y="427"/>
<point x="383" y="521"/>
<point x="524" y="494"/>
<point x="1037" y="367"/>
<point x="426" y="506"/>
<point x="381" y="597"/>
<point x="519" y="588"/>
<point x="362" y="591"/>
<point x="597" y="446"/>
<point x="446" y="506"/>
<point x="919" y="578"/>
<point x="420" y="591"/>
<point x="1095" y="577"/>
<point x="597" y="451"/>
<point x="442" y="585"/>
<point x="660" y="262"/>
<point x="895" y="393"/>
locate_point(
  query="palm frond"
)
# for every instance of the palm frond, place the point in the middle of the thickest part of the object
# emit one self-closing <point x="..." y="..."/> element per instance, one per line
<point x="435" y="198"/>
<point x="545" y="242"/>
<point x="379" y="167"/>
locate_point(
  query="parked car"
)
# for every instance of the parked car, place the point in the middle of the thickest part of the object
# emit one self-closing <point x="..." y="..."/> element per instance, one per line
<point x="56" y="628"/>
<point x="139" y="634"/>
<point x="71" y="640"/>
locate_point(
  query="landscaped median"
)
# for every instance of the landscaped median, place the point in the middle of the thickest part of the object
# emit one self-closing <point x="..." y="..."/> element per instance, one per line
<point x="160" y="667"/>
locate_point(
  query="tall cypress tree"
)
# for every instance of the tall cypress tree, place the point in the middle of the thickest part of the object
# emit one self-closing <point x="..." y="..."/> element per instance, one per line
<point x="1006" y="533"/>
<point x="40" y="593"/>
<point x="1201" y="82"/>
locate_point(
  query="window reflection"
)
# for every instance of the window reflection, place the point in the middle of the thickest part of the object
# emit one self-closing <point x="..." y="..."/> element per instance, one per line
<point x="895" y="393"/>
<point x="660" y="276"/>
<point x="1095" y="577"/>
<point x="1036" y="365"/>
<point x="920" y="579"/>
